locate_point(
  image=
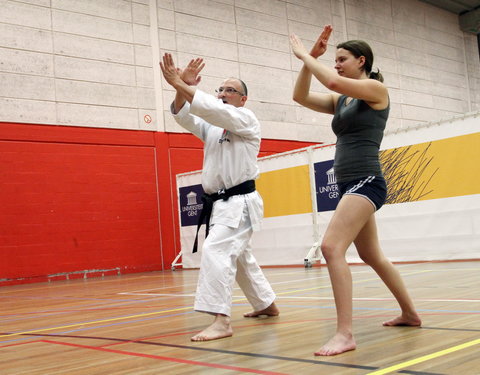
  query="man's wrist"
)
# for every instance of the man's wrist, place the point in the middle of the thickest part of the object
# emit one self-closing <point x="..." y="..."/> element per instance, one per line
<point x="178" y="83"/>
<point x="184" y="90"/>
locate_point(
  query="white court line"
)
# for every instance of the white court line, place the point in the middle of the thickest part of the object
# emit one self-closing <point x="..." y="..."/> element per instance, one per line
<point x="165" y="287"/>
<point x="138" y="292"/>
<point x="387" y="299"/>
<point x="319" y="298"/>
<point x="156" y="294"/>
<point x="369" y="271"/>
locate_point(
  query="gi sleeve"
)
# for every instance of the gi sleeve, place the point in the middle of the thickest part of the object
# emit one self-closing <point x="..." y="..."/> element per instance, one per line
<point x="238" y="120"/>
<point x="190" y="122"/>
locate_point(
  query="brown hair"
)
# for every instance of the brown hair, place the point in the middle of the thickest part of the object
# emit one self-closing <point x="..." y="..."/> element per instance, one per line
<point x="360" y="48"/>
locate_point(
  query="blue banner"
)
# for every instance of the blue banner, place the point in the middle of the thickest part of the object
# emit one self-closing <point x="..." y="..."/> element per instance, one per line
<point x="326" y="186"/>
<point x="190" y="204"/>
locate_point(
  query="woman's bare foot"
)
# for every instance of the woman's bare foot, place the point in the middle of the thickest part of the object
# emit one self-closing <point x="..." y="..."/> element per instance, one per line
<point x="219" y="329"/>
<point x="412" y="320"/>
<point x="271" y="310"/>
<point x="339" y="343"/>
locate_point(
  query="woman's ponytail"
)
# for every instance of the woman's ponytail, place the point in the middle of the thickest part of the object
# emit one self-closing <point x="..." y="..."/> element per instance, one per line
<point x="376" y="75"/>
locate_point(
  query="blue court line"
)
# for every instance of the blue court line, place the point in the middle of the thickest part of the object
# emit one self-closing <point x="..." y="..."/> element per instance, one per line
<point x="90" y="307"/>
<point x="98" y="326"/>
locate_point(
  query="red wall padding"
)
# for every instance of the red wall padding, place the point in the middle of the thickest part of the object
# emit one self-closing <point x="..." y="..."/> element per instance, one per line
<point x="82" y="202"/>
<point x="76" y="209"/>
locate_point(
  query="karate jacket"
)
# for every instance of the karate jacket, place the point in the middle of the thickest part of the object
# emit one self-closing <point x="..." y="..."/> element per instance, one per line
<point x="231" y="137"/>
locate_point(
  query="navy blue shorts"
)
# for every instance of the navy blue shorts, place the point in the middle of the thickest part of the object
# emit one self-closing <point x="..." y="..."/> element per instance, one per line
<point x="373" y="188"/>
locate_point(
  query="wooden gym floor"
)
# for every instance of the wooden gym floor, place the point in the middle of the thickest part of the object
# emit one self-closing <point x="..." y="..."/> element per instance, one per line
<point x="141" y="324"/>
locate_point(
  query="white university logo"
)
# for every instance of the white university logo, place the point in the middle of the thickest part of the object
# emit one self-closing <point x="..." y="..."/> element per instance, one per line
<point x="331" y="177"/>
<point x="191" y="198"/>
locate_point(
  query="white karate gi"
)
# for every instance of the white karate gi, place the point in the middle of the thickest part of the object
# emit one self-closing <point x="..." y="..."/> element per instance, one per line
<point x="231" y="137"/>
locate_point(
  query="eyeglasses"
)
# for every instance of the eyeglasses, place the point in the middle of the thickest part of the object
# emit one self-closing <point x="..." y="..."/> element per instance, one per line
<point x="228" y="90"/>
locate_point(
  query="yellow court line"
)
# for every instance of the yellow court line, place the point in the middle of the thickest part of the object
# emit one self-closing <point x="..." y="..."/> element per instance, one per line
<point x="425" y="358"/>
<point x="166" y="311"/>
<point x="95" y="322"/>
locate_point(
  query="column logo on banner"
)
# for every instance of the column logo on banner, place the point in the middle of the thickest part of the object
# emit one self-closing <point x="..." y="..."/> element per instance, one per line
<point x="326" y="186"/>
<point x="190" y="204"/>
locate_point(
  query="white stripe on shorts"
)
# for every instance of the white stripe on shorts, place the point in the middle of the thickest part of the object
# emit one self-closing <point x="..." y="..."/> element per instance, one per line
<point x="354" y="188"/>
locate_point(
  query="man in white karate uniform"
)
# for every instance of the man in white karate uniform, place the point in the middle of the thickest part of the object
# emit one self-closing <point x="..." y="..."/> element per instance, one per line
<point x="231" y="136"/>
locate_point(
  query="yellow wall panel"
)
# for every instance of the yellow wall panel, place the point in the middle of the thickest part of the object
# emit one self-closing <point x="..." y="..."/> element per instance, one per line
<point x="285" y="191"/>
<point x="438" y="169"/>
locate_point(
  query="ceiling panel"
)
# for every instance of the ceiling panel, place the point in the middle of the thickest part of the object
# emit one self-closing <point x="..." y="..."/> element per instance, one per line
<point x="454" y="6"/>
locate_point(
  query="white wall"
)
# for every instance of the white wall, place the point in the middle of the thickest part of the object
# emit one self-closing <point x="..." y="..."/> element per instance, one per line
<point x="76" y="62"/>
<point x="95" y="62"/>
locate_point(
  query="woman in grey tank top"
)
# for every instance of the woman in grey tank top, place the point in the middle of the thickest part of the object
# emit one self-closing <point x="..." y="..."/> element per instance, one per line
<point x="360" y="107"/>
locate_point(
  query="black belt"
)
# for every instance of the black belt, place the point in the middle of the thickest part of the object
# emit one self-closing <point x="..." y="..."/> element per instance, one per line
<point x="208" y="199"/>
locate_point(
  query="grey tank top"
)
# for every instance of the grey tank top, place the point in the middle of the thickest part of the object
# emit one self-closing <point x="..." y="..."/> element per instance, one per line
<point x="359" y="130"/>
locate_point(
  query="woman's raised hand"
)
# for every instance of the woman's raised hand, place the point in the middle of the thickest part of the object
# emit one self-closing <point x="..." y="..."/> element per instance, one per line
<point x="320" y="45"/>
<point x="298" y="48"/>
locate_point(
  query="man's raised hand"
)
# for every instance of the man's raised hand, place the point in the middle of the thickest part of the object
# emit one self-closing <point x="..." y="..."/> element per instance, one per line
<point x="170" y="72"/>
<point x="189" y="75"/>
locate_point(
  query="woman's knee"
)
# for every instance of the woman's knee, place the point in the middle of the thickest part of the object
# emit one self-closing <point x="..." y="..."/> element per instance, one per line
<point x="373" y="259"/>
<point x="328" y="250"/>
<point x="366" y="257"/>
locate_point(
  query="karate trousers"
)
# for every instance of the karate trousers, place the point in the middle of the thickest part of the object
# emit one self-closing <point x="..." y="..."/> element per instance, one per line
<point x="226" y="257"/>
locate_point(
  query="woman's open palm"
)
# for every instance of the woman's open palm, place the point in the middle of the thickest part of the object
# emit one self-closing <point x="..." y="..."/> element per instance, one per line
<point x="321" y="44"/>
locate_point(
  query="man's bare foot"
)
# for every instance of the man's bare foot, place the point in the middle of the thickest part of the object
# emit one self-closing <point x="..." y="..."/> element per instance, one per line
<point x="219" y="329"/>
<point x="339" y="343"/>
<point x="271" y="310"/>
<point x="412" y="320"/>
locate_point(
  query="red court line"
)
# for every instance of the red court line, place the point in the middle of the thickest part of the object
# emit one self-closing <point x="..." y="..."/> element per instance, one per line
<point x="169" y="359"/>
<point x="20" y="343"/>
<point x="148" y="338"/>
<point x="86" y="309"/>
